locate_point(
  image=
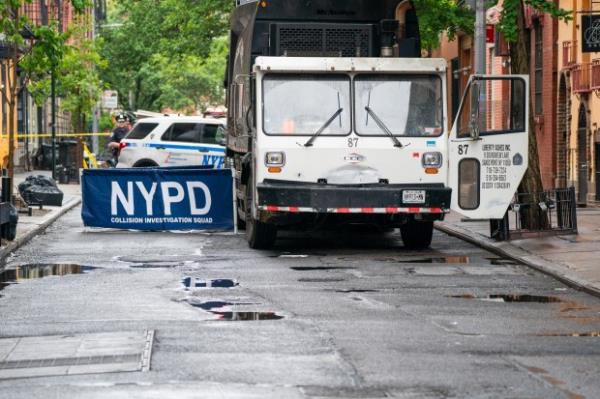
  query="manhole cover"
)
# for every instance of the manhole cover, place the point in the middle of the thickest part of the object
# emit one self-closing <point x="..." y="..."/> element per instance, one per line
<point x="75" y="354"/>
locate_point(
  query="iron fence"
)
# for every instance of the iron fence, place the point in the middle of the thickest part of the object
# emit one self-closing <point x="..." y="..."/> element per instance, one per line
<point x="552" y="212"/>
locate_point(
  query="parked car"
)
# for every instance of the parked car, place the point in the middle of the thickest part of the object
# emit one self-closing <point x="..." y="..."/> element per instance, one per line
<point x="174" y="141"/>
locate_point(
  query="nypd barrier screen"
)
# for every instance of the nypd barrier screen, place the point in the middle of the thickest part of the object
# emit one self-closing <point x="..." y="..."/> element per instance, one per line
<point x="158" y="199"/>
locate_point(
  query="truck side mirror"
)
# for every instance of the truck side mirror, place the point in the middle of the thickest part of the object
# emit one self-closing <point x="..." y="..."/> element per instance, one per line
<point x="474" y="119"/>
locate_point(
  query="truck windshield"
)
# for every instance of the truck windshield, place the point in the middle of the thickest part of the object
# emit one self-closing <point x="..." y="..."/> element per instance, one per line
<point x="408" y="105"/>
<point x="302" y="105"/>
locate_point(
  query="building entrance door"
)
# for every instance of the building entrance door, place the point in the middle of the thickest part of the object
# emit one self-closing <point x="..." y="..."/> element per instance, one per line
<point x="582" y="161"/>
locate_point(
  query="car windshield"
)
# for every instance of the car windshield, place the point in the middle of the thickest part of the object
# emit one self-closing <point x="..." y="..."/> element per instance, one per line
<point x="407" y="105"/>
<point x="303" y="105"/>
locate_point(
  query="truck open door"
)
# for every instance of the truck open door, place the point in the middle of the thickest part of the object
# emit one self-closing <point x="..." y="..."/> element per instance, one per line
<point x="488" y="149"/>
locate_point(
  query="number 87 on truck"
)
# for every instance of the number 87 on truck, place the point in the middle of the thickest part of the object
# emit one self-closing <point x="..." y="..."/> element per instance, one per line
<point x="335" y="119"/>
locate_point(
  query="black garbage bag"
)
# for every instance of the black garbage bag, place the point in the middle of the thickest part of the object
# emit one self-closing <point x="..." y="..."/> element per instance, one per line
<point x="40" y="190"/>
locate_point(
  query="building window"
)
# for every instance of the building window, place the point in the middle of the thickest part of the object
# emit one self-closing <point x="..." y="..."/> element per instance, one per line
<point x="539" y="67"/>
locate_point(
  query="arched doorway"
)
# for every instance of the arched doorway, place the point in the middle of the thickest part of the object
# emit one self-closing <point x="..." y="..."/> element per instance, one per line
<point x="582" y="159"/>
<point x="563" y="118"/>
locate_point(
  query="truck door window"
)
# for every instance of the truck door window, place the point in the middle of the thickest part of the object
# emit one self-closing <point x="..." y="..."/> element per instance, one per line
<point x="501" y="107"/>
<point x="409" y="105"/>
<point x="301" y="105"/>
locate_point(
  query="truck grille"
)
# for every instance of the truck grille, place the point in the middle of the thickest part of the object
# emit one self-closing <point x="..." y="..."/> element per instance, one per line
<point x="324" y="40"/>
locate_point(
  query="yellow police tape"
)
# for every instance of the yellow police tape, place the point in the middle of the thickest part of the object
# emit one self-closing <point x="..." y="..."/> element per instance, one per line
<point x="58" y="135"/>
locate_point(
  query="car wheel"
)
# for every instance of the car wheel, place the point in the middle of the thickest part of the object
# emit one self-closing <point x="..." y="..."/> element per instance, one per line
<point x="146" y="164"/>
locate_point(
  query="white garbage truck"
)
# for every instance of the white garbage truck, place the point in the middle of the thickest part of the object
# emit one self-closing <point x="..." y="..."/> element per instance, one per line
<point x="335" y="119"/>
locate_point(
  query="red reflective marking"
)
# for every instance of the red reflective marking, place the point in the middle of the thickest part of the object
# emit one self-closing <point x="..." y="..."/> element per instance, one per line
<point x="368" y="210"/>
<point x="294" y="209"/>
<point x="414" y="210"/>
<point x="391" y="210"/>
<point x="436" y="210"/>
<point x="343" y="210"/>
<point x="271" y="208"/>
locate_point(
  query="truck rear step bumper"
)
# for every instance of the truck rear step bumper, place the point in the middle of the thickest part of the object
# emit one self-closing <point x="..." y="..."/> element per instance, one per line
<point x="294" y="197"/>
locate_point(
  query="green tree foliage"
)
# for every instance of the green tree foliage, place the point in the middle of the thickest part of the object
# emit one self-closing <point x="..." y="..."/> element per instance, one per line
<point x="442" y="16"/>
<point x="168" y="53"/>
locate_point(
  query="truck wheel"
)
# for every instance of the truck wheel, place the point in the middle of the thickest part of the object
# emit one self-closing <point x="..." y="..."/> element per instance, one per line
<point x="417" y="235"/>
<point x="258" y="234"/>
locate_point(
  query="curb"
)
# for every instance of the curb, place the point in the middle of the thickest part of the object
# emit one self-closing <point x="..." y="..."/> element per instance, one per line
<point x="505" y="249"/>
<point x="25" y="238"/>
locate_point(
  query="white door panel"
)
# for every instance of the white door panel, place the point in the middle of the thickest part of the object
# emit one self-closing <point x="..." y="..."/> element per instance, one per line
<point x="487" y="168"/>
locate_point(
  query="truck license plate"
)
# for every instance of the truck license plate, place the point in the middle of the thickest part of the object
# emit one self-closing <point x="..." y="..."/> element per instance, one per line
<point x="413" y="196"/>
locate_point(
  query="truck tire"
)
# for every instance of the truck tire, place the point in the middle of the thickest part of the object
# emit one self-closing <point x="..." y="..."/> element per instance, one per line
<point x="417" y="235"/>
<point x="258" y="234"/>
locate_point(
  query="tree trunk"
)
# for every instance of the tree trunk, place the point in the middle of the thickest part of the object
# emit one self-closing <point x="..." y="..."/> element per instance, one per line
<point x="532" y="182"/>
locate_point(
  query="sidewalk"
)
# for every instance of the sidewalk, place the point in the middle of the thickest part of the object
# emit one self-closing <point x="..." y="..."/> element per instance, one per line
<point x="572" y="259"/>
<point x="30" y="226"/>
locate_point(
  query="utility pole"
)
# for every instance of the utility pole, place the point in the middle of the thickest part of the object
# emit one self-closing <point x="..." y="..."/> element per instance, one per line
<point x="96" y="108"/>
<point x="480" y="37"/>
<point x="53" y="112"/>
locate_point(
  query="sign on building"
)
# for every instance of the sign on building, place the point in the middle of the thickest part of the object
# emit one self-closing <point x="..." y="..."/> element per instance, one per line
<point x="110" y="99"/>
<point x="590" y="32"/>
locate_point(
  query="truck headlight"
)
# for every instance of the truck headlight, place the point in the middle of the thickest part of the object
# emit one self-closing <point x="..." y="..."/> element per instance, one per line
<point x="432" y="160"/>
<point x="275" y="159"/>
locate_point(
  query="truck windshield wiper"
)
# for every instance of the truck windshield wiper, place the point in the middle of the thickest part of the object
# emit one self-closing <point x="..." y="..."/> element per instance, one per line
<point x="383" y="127"/>
<point x="337" y="113"/>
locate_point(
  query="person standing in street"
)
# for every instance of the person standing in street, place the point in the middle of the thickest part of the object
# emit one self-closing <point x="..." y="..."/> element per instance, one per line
<point x="123" y="127"/>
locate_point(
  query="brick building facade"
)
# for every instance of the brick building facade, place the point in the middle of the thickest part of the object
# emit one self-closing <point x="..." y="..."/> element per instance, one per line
<point x="578" y="106"/>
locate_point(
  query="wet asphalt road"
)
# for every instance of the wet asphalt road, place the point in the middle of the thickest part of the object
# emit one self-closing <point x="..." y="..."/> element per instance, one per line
<point x="353" y="315"/>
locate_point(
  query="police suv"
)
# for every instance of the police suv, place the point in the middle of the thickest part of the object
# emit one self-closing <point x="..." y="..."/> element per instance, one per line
<point x="174" y="141"/>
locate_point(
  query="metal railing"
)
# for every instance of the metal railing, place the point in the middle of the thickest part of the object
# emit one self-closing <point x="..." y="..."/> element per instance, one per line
<point x="595" y="74"/>
<point x="580" y="78"/>
<point x="554" y="212"/>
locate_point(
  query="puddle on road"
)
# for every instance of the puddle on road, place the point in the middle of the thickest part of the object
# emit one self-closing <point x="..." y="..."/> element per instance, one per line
<point x="39" y="270"/>
<point x="355" y="291"/>
<point x="321" y="280"/>
<point x="189" y="282"/>
<point x="446" y="259"/>
<point x="317" y="268"/>
<point x="576" y="334"/>
<point x="211" y="305"/>
<point x="247" y="316"/>
<point x="157" y="265"/>
<point x="452" y="260"/>
<point x="511" y="298"/>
